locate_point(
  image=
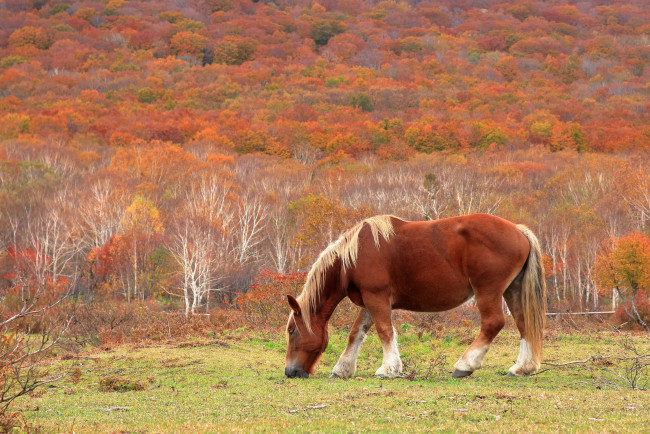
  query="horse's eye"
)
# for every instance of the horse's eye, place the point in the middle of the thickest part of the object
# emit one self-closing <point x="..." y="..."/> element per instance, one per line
<point x="291" y="332"/>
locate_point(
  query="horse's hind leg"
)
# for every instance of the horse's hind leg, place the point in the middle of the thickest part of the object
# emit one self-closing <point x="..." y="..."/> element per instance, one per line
<point x="492" y="321"/>
<point x="526" y="363"/>
<point x="347" y="364"/>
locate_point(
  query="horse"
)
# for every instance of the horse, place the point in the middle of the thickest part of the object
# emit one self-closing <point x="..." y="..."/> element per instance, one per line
<point x="385" y="263"/>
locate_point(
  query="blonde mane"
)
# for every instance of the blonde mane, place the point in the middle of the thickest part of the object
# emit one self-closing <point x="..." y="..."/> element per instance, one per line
<point x="346" y="248"/>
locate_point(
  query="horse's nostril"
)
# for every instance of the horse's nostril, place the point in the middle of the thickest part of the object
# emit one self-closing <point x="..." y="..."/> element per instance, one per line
<point x="292" y="372"/>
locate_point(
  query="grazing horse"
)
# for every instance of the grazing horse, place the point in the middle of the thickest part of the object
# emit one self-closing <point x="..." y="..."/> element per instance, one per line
<point x="386" y="263"/>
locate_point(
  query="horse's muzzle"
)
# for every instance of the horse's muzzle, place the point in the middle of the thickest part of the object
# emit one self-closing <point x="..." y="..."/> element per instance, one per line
<point x="293" y="372"/>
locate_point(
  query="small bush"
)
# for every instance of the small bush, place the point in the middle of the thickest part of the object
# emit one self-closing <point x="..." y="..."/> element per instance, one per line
<point x="642" y="306"/>
<point x="12" y="60"/>
<point x="147" y="95"/>
<point x="362" y="101"/>
<point x="10" y="420"/>
<point x="119" y="384"/>
<point x="75" y="376"/>
<point x="323" y="30"/>
<point x="265" y="304"/>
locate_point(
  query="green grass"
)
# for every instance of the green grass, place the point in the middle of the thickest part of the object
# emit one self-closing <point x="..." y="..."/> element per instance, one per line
<point x="236" y="382"/>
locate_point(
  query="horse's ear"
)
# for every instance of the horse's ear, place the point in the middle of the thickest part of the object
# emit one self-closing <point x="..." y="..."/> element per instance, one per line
<point x="294" y="304"/>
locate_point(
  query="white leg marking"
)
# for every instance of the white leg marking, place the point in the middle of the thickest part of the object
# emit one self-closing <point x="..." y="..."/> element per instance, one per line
<point x="526" y="363"/>
<point x="392" y="364"/>
<point x="347" y="364"/>
<point x="472" y="359"/>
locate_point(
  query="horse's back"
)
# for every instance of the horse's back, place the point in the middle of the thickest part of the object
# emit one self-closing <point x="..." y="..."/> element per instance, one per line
<point x="437" y="265"/>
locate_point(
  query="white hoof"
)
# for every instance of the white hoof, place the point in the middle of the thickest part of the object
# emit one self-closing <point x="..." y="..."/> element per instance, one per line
<point x="392" y="371"/>
<point x="472" y="359"/>
<point x="526" y="363"/>
<point x="518" y="370"/>
<point x="343" y="370"/>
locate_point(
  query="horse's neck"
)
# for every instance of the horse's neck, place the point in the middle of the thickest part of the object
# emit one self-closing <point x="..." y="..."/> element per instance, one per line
<point x="332" y="293"/>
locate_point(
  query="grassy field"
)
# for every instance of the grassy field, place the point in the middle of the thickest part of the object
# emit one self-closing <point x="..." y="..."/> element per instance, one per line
<point x="235" y="382"/>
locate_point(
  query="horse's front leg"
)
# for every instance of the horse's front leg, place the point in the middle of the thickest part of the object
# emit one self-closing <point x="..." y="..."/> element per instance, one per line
<point x="347" y="364"/>
<point x="392" y="364"/>
<point x="381" y="314"/>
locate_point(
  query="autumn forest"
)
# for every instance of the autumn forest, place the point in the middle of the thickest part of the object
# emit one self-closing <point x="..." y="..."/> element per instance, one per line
<point x="195" y="157"/>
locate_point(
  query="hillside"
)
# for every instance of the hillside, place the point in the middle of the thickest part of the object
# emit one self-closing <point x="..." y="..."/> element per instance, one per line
<point x="308" y="80"/>
<point x="180" y="151"/>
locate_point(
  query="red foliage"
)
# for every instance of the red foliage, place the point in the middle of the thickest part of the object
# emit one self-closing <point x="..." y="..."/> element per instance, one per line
<point x="642" y="303"/>
<point x="265" y="303"/>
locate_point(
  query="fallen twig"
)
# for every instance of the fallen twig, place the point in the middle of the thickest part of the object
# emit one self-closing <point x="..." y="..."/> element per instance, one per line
<point x="588" y="359"/>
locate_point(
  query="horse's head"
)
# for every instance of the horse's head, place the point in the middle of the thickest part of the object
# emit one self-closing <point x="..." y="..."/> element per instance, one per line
<point x="304" y="347"/>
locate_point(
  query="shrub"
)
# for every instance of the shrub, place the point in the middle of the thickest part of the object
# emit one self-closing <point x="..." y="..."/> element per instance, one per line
<point x="323" y="30"/>
<point x="11" y="60"/>
<point x="147" y="95"/>
<point x="234" y="50"/>
<point x="188" y="43"/>
<point x="622" y="316"/>
<point x="119" y="384"/>
<point x="34" y="36"/>
<point x="59" y="7"/>
<point x="362" y="101"/>
<point x="265" y="304"/>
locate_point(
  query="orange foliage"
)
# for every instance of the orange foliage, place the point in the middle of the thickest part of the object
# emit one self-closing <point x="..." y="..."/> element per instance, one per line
<point x="292" y="120"/>
<point x="261" y="64"/>
<point x="30" y="36"/>
<point x="626" y="265"/>
<point x="188" y="43"/>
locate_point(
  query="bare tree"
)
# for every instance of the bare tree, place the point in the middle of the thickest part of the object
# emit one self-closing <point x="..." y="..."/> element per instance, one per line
<point x="388" y="189"/>
<point x="639" y="199"/>
<point x="248" y="229"/>
<point x="564" y="233"/>
<point x="101" y="213"/>
<point x="434" y="198"/>
<point x="193" y="248"/>
<point x="201" y="242"/>
<point x="475" y="192"/>
<point x="212" y="196"/>
<point x="279" y="241"/>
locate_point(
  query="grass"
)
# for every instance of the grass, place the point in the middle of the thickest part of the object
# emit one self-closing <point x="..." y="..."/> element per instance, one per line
<point x="236" y="383"/>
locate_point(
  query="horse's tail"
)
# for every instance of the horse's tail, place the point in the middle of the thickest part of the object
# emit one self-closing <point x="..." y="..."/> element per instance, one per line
<point x="533" y="295"/>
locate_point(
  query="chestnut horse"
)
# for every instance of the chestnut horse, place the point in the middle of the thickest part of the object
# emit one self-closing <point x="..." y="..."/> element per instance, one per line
<point x="386" y="263"/>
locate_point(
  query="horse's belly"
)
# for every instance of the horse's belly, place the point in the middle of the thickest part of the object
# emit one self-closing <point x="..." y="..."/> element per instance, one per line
<point x="432" y="297"/>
